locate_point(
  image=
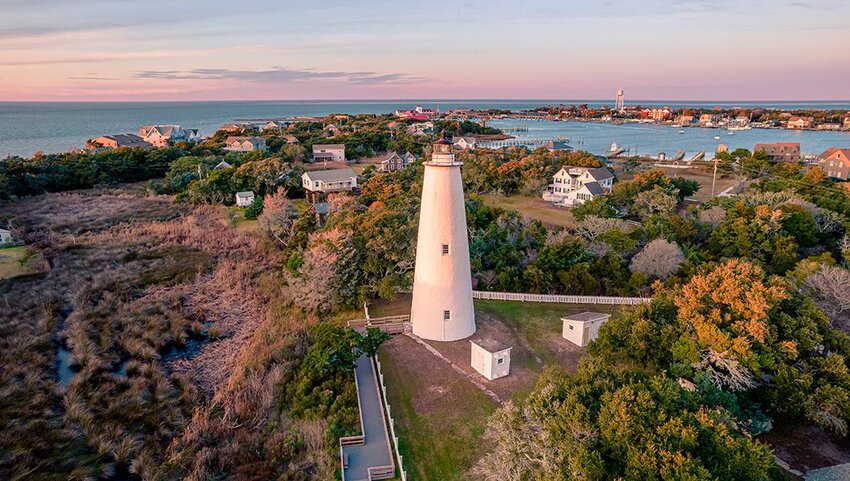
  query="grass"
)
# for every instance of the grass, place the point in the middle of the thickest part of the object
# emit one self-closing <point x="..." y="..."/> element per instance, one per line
<point x="533" y="208"/>
<point x="698" y="174"/>
<point x="236" y="216"/>
<point x="536" y="323"/>
<point x="15" y="261"/>
<point x="440" y="417"/>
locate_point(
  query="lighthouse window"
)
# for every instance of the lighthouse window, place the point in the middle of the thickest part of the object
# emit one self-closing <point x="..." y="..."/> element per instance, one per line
<point x="445" y="249"/>
<point x="447" y="315"/>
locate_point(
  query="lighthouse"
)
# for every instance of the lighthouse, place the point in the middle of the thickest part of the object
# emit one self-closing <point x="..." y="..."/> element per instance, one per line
<point x="442" y="284"/>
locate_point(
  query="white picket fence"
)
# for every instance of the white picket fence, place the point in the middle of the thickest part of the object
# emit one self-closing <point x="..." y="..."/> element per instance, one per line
<point x="559" y="299"/>
<point x="401" y="470"/>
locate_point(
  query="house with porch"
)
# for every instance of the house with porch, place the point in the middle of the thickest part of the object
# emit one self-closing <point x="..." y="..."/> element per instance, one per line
<point x="319" y="183"/>
<point x="329" y="153"/>
<point x="576" y="185"/>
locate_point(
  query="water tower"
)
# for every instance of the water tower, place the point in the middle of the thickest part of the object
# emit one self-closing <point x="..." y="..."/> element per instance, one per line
<point x="621" y="104"/>
<point x="442" y="284"/>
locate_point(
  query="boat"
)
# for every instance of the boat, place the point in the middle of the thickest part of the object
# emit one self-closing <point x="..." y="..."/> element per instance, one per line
<point x="716" y="137"/>
<point x="681" y="131"/>
<point x="731" y="132"/>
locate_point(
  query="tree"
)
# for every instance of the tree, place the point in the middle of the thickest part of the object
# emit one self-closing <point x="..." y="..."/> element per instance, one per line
<point x="371" y="340"/>
<point x="655" y="201"/>
<point x="277" y="220"/>
<point x="607" y="424"/>
<point x="591" y="227"/>
<point x="254" y="209"/>
<point x="830" y="287"/>
<point x="659" y="258"/>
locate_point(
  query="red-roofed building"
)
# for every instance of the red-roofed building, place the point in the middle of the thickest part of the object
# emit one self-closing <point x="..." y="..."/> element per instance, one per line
<point x="780" y="151"/>
<point x="656" y="114"/>
<point x="800" y="123"/>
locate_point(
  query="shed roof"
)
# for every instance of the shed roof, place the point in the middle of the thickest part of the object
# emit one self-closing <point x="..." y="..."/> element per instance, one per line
<point x="491" y="345"/>
<point x="586" y="316"/>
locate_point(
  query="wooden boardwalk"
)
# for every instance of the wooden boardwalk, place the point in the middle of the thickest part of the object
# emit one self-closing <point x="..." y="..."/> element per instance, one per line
<point x="368" y="456"/>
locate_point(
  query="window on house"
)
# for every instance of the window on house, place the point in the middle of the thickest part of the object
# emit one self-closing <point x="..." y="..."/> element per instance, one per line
<point x="445" y="249"/>
<point x="571" y="327"/>
<point x="447" y="315"/>
<point x="500" y="361"/>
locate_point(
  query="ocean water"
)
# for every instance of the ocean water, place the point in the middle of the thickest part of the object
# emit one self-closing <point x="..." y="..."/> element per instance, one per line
<point x="27" y="127"/>
<point x="650" y="139"/>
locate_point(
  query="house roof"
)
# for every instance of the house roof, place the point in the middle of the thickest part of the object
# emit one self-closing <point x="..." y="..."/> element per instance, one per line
<point x="594" y="188"/>
<point x="126" y="140"/>
<point x="222" y="165"/>
<point x="254" y="140"/>
<point x="600" y="173"/>
<point x="790" y="145"/>
<point x="467" y="139"/>
<point x="491" y="345"/>
<point x="586" y="316"/>
<point x="328" y="147"/>
<point x="832" y="150"/>
<point x="327" y="176"/>
<point x="245" y="195"/>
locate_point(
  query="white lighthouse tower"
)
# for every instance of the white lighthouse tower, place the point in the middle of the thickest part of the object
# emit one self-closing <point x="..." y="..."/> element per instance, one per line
<point x="442" y="285"/>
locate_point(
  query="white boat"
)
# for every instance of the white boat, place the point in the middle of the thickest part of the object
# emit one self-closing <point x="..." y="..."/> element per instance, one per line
<point x="731" y="132"/>
<point x="716" y="137"/>
<point x="681" y="131"/>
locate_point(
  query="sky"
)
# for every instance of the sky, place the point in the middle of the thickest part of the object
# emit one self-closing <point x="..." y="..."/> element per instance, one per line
<point x="133" y="50"/>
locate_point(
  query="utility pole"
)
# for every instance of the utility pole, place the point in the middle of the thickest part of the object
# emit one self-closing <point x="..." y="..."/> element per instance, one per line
<point x="200" y="174"/>
<point x="714" y="177"/>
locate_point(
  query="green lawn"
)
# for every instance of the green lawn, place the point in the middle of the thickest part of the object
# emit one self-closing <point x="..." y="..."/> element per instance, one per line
<point x="533" y="208"/>
<point x="439" y="415"/>
<point x="236" y="216"/>
<point x="14" y="261"/>
<point x="537" y="324"/>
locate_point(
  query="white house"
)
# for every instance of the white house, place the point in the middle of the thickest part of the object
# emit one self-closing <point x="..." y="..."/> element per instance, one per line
<point x="5" y="236"/>
<point x="464" y="142"/>
<point x="329" y="152"/>
<point x="576" y="185"/>
<point x="245" y="144"/>
<point x="244" y="199"/>
<point x="161" y="135"/>
<point x="421" y="128"/>
<point x="327" y="181"/>
<point x="395" y="162"/>
<point x="491" y="358"/>
<point x="583" y="327"/>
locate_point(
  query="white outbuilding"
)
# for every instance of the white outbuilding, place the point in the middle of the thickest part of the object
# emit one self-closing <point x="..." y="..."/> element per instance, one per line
<point x="583" y="327"/>
<point x="244" y="199"/>
<point x="5" y="236"/>
<point x="491" y="358"/>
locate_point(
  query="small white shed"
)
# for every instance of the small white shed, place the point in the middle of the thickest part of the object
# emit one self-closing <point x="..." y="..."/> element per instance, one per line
<point x="5" y="236"/>
<point x="583" y="327"/>
<point x="244" y="199"/>
<point x="491" y="358"/>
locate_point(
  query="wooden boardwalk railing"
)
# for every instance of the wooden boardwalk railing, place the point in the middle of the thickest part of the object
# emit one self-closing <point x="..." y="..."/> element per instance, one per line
<point x="389" y="324"/>
<point x="560" y="299"/>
